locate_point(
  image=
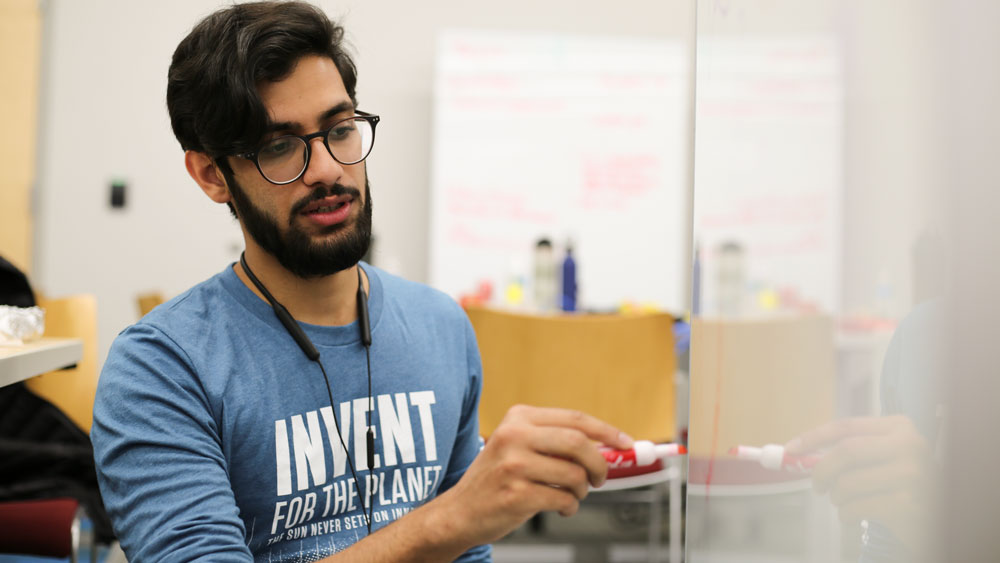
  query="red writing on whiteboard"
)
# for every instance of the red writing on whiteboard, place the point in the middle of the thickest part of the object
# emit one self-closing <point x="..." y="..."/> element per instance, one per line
<point x="615" y="180"/>
<point x="770" y="210"/>
<point x="634" y="81"/>
<point x="472" y="50"/>
<point x="765" y="108"/>
<point x="481" y="81"/>
<point x="495" y="203"/>
<point x="465" y="235"/>
<point x="483" y="104"/>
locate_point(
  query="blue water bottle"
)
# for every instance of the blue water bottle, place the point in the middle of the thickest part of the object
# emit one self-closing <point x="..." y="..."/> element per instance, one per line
<point x="569" y="281"/>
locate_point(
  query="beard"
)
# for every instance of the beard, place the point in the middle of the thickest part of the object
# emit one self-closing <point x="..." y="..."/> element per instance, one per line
<point x="294" y="248"/>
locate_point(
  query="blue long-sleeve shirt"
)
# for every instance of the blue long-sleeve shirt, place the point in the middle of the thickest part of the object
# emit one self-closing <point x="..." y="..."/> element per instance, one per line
<point x="215" y="438"/>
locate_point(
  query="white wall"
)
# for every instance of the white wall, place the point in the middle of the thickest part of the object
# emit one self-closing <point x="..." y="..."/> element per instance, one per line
<point x="104" y="117"/>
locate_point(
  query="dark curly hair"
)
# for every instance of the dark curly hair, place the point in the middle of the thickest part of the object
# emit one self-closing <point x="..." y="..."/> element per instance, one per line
<point x="212" y="83"/>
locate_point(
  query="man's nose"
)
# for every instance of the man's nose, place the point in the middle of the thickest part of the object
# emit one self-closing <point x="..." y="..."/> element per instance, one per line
<point x="323" y="168"/>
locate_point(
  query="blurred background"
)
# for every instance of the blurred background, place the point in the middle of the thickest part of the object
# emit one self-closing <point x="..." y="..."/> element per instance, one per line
<point x="101" y="120"/>
<point x="808" y="188"/>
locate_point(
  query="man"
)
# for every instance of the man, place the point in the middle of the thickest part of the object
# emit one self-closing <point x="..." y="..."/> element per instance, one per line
<point x="216" y="437"/>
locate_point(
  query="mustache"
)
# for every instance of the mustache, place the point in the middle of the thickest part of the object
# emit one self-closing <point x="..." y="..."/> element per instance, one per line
<point x="323" y="193"/>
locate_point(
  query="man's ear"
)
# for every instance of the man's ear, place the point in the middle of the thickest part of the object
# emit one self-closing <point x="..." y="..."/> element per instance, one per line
<point x="203" y="170"/>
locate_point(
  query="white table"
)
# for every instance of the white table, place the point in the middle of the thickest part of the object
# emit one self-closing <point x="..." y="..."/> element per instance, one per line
<point x="18" y="363"/>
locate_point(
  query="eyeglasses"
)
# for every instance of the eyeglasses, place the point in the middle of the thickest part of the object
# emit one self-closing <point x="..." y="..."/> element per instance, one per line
<point x="284" y="160"/>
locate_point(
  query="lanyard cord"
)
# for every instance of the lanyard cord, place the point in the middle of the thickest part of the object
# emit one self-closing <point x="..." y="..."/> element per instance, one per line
<point x="296" y="332"/>
<point x="366" y="341"/>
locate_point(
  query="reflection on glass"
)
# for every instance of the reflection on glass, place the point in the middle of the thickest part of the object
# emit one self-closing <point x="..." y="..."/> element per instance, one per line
<point x="816" y="408"/>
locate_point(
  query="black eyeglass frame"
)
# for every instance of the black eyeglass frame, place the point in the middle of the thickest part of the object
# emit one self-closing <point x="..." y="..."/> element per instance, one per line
<point x="371" y="118"/>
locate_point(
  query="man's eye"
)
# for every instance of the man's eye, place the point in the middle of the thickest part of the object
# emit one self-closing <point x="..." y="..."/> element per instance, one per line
<point x="342" y="131"/>
<point x="278" y="148"/>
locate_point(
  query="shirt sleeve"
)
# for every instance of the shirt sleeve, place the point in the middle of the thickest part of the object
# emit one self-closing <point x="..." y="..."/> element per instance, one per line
<point x="468" y="443"/>
<point x="160" y="464"/>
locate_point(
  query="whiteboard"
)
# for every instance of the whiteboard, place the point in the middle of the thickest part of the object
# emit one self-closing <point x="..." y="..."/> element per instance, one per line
<point x="565" y="137"/>
<point x="769" y="163"/>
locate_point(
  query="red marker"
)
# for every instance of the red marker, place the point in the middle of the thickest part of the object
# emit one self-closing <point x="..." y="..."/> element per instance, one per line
<point x="772" y="456"/>
<point x="643" y="457"/>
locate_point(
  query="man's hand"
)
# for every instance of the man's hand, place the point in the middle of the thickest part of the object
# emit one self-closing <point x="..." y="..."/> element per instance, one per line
<point x="874" y="468"/>
<point x="537" y="459"/>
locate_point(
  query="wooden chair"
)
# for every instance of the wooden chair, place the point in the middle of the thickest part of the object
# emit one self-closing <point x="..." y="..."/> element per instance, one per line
<point x="618" y="368"/>
<point x="148" y="301"/>
<point x="72" y="390"/>
<point x="758" y="382"/>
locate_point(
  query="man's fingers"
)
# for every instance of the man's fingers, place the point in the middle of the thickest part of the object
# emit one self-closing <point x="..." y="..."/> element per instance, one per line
<point x="834" y="431"/>
<point x="852" y="454"/>
<point x="552" y="498"/>
<point x="882" y="479"/>
<point x="592" y="427"/>
<point x="562" y="433"/>
<point x="556" y="472"/>
<point x="903" y="447"/>
<point x="572" y="446"/>
<point x="537" y="459"/>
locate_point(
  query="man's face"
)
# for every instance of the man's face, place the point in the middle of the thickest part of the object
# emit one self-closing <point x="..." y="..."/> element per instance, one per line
<point x="321" y="223"/>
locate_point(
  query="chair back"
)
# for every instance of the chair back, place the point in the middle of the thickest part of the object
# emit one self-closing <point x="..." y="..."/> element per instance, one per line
<point x="617" y="368"/>
<point x="72" y="390"/>
<point x="148" y="301"/>
<point x="756" y="382"/>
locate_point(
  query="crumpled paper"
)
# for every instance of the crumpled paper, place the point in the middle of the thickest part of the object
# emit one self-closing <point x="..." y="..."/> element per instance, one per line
<point x="20" y="324"/>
